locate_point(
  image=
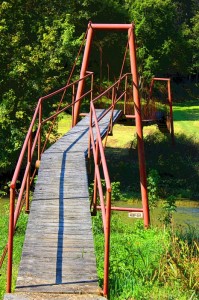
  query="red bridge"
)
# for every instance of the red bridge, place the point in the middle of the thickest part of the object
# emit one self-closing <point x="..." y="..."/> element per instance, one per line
<point x="58" y="260"/>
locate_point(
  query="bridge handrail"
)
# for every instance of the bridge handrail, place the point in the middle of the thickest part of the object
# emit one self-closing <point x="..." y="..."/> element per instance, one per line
<point x="99" y="158"/>
<point x="95" y="142"/>
<point x="37" y="113"/>
<point x="29" y="148"/>
<point x="94" y="123"/>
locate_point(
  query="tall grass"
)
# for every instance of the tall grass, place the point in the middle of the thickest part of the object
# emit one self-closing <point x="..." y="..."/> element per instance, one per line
<point x="149" y="264"/>
<point x="18" y="244"/>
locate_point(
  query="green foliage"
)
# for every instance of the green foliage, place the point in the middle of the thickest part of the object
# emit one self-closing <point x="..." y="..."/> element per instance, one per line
<point x="18" y="243"/>
<point x="147" y="264"/>
<point x="159" y="37"/>
<point x="182" y="261"/>
<point x="115" y="190"/>
<point x="36" y="41"/>
<point x="194" y="42"/>
<point x="39" y="41"/>
<point x="169" y="207"/>
<point x="152" y="182"/>
<point x="173" y="164"/>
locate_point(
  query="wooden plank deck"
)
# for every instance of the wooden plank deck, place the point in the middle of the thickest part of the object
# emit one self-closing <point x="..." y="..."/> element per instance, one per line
<point x="58" y="253"/>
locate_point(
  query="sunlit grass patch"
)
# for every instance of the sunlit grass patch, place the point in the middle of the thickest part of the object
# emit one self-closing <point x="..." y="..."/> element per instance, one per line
<point x="186" y="120"/>
<point x="17" y="249"/>
<point x="64" y="123"/>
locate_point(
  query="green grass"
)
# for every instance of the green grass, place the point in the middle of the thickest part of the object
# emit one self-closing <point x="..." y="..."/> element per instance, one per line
<point x="187" y="120"/>
<point x="18" y="244"/>
<point x="151" y="264"/>
<point x="64" y="123"/>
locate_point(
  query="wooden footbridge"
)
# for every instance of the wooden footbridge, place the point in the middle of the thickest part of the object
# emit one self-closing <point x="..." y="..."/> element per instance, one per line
<point x="58" y="253"/>
<point x="58" y="259"/>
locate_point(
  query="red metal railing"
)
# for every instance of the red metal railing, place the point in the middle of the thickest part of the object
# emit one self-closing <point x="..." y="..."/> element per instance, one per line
<point x="29" y="148"/>
<point x="118" y="92"/>
<point x="95" y="143"/>
<point x="99" y="159"/>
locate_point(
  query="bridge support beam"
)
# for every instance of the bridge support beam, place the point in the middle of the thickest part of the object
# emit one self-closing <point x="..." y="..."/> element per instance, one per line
<point x="138" y="119"/>
<point x="137" y="105"/>
<point x="138" y="124"/>
<point x="83" y="73"/>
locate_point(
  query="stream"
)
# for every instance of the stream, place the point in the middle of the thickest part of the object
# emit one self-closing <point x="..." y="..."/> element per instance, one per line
<point x="187" y="212"/>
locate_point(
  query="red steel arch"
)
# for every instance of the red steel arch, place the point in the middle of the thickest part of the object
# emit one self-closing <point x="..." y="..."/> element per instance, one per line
<point x="137" y="105"/>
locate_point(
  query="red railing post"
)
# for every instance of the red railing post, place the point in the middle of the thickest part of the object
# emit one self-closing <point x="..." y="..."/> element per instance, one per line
<point x="89" y="141"/>
<point x="114" y="95"/>
<point x="73" y="101"/>
<point x="170" y="110"/>
<point x="151" y="88"/>
<point x="107" y="243"/>
<point x="10" y="240"/>
<point x="94" y="207"/>
<point x="95" y="178"/>
<point x="83" y="71"/>
<point x="39" y="136"/>
<point x="29" y="159"/>
<point x="89" y="135"/>
<point x="138" y="124"/>
<point x="92" y="79"/>
<point x="125" y="95"/>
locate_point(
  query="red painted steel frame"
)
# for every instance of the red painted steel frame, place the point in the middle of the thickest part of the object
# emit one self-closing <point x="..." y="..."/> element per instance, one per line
<point x="91" y="28"/>
<point x="138" y="124"/>
<point x="99" y="158"/>
<point x="137" y="105"/>
<point x="98" y="147"/>
<point x="137" y="109"/>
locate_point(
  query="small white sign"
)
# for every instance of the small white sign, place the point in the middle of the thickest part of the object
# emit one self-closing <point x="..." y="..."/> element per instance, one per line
<point x="136" y="215"/>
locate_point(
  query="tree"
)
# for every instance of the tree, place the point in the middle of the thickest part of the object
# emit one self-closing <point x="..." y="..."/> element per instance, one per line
<point x="194" y="41"/>
<point x="39" y="41"/>
<point x="161" y="46"/>
<point x="105" y="44"/>
<point x="34" y="48"/>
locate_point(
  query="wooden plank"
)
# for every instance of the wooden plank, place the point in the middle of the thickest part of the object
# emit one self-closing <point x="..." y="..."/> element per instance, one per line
<point x="51" y="296"/>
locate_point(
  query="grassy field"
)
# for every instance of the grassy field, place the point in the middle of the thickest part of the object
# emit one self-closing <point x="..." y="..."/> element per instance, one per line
<point x="187" y="119"/>
<point x="18" y="244"/>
